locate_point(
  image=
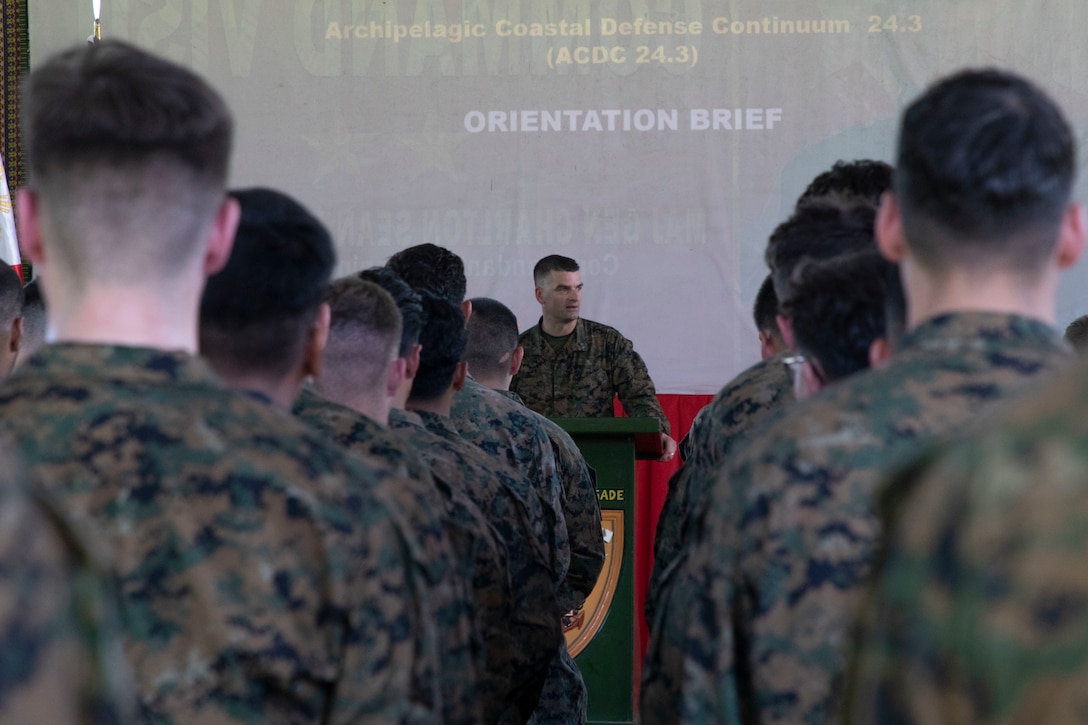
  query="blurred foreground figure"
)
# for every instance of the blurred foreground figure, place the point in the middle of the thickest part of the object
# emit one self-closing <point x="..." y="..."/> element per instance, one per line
<point x="766" y="387"/>
<point x="232" y="596"/>
<point x="60" y="637"/>
<point x="755" y="626"/>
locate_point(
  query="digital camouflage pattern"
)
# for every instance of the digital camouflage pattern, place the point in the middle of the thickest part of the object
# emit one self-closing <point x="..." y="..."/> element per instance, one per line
<point x="511" y="434"/>
<point x="261" y="578"/>
<point x="744" y="402"/>
<point x="564" y="699"/>
<point x="582" y="379"/>
<point x="581" y="510"/>
<point x="522" y="634"/>
<point x="61" y="638"/>
<point x="979" y="606"/>
<point x="754" y="623"/>
<point x="420" y="503"/>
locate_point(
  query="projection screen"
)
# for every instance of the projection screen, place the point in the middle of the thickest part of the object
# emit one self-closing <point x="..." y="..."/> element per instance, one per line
<point x="658" y="142"/>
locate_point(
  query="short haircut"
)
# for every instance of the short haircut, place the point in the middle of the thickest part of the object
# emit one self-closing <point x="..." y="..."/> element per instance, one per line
<point x="1076" y="334"/>
<point x="256" y="312"/>
<point x="11" y="296"/>
<point x="765" y="309"/>
<point x="364" y="335"/>
<point x="431" y="269"/>
<point x="819" y="229"/>
<point x="552" y="263"/>
<point x="129" y="154"/>
<point x="33" y="317"/>
<point x="985" y="168"/>
<point x="492" y="338"/>
<point x="838" y="310"/>
<point x="864" y="178"/>
<point x="443" y="341"/>
<point x="408" y="303"/>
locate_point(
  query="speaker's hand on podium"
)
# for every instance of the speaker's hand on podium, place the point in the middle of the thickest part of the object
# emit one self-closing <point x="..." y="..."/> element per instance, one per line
<point x="668" y="448"/>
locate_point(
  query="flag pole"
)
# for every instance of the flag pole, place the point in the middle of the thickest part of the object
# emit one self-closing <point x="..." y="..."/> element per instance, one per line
<point x="96" y="6"/>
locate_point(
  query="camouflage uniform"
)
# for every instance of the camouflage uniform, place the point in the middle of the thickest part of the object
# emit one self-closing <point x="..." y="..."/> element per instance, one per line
<point x="753" y="625"/>
<point x="261" y="577"/>
<point x="977" y="613"/>
<point x="521" y="633"/>
<point x="581" y="510"/>
<point x="62" y="659"/>
<point x="508" y="431"/>
<point x="421" y="505"/>
<point x="581" y="380"/>
<point x="744" y="402"/>
<point x="565" y="698"/>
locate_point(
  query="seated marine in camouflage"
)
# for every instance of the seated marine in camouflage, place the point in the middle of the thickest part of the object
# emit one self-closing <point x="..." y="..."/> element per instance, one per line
<point x="263" y="327"/>
<point x="504" y="496"/>
<point x="755" y="625"/>
<point x="204" y="501"/>
<point x="493" y="356"/>
<point x="349" y="401"/>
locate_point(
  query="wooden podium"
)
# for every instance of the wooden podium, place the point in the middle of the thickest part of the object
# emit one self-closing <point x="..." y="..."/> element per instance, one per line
<point x="603" y="638"/>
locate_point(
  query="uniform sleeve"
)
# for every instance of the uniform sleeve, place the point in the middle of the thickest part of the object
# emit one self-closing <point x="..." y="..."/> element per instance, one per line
<point x="632" y="383"/>
<point x="63" y="661"/>
<point x="977" y="611"/>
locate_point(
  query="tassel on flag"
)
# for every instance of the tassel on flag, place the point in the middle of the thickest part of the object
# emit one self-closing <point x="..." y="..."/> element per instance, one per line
<point x="9" y="242"/>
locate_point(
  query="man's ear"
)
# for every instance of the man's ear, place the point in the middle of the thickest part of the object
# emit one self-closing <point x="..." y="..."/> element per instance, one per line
<point x="397" y="374"/>
<point x="466" y="309"/>
<point x="315" y="342"/>
<point x="515" y="360"/>
<point x="766" y="346"/>
<point x="27" y="205"/>
<point x="889" y="229"/>
<point x="221" y="235"/>
<point x="879" y="352"/>
<point x="1071" y="236"/>
<point x="411" y="362"/>
<point x="785" y="326"/>
<point x="540" y="295"/>
<point x="459" y="374"/>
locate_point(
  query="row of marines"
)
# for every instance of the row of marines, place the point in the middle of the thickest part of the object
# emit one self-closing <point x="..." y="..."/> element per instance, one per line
<point x="322" y="516"/>
<point x="886" y="519"/>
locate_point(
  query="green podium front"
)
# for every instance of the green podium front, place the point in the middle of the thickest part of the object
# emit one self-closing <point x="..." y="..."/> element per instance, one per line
<point x="602" y="637"/>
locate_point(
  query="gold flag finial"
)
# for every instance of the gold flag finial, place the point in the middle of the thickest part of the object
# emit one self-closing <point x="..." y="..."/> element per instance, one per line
<point x="96" y="6"/>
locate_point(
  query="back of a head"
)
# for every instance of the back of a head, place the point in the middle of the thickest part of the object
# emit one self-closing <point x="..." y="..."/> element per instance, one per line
<point x="33" y="319"/>
<point x="985" y="168"/>
<point x="552" y="263"/>
<point x="820" y="229"/>
<point x="408" y="304"/>
<point x="431" y="269"/>
<point x="492" y="338"/>
<point x="364" y="337"/>
<point x="11" y="296"/>
<point x="765" y="309"/>
<point x="838" y="309"/>
<point x="1076" y="334"/>
<point x="256" y="313"/>
<point x="128" y="153"/>
<point x="864" y="178"/>
<point x="443" y="340"/>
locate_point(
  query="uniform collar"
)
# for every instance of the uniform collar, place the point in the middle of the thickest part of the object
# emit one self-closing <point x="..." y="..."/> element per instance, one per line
<point x="980" y="330"/>
<point x="139" y="365"/>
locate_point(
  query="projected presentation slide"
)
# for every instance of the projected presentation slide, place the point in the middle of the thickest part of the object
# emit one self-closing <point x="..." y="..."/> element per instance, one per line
<point x="658" y="142"/>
